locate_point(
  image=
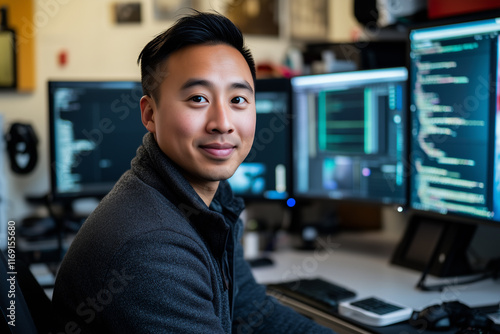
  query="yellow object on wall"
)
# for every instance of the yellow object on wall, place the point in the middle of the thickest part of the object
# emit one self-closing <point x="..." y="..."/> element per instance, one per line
<point x="20" y="18"/>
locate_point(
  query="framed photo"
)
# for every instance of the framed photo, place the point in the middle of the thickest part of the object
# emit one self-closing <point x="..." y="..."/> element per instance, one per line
<point x="309" y="19"/>
<point x="171" y="9"/>
<point x="255" y="17"/>
<point x="127" y="12"/>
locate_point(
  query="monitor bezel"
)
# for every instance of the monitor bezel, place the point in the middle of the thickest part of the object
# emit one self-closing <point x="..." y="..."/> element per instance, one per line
<point x="440" y="22"/>
<point x="55" y="194"/>
<point x="281" y="85"/>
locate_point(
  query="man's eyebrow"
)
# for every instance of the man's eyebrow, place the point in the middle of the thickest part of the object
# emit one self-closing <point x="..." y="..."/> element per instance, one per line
<point x="242" y="85"/>
<point x="202" y="82"/>
<point x="196" y="82"/>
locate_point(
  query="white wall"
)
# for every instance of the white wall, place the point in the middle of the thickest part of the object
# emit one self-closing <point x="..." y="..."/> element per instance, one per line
<point x="98" y="49"/>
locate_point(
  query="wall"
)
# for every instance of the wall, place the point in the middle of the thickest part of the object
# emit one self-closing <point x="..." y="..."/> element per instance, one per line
<point x="97" y="49"/>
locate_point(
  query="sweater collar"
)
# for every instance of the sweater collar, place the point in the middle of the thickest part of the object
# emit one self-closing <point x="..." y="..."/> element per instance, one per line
<point x="160" y="172"/>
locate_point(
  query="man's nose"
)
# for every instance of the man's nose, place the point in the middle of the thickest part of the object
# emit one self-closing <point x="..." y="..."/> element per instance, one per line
<point x="220" y="119"/>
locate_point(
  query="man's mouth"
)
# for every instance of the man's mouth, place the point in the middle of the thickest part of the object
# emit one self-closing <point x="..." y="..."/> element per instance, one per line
<point x="218" y="150"/>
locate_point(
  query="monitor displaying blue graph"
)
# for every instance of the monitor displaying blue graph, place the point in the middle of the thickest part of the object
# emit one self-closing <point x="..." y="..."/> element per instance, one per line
<point x="266" y="173"/>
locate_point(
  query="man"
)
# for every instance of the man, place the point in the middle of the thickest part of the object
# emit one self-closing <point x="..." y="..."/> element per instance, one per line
<point x="161" y="252"/>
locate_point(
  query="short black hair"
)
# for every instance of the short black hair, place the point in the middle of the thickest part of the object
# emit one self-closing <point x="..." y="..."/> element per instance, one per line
<point x="198" y="28"/>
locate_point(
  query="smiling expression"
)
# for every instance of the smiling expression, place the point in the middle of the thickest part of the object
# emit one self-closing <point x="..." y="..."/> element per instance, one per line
<point x="204" y="118"/>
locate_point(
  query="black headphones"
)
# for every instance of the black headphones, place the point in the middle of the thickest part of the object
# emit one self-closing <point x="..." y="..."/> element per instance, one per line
<point x="21" y="145"/>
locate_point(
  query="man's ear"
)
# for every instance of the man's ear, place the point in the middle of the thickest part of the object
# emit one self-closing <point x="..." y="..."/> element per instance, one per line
<point x="147" y="113"/>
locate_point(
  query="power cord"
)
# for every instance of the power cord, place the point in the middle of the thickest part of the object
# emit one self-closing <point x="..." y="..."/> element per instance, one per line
<point x="492" y="271"/>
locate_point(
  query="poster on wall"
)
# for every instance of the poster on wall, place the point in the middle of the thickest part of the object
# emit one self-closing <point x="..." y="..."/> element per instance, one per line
<point x="309" y="19"/>
<point x="8" y="52"/>
<point x="173" y="9"/>
<point x="128" y="12"/>
<point x="255" y="17"/>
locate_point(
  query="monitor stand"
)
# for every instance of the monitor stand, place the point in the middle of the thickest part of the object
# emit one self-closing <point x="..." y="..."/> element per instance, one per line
<point x="436" y="246"/>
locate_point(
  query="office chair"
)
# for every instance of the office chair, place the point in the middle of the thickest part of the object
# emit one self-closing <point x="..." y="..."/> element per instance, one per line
<point x="33" y="308"/>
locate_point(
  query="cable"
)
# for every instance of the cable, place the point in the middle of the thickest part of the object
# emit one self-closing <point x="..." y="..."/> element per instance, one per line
<point x="492" y="271"/>
<point x="440" y="287"/>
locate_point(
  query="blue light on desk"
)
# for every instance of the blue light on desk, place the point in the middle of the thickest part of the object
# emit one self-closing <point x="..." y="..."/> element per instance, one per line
<point x="290" y="202"/>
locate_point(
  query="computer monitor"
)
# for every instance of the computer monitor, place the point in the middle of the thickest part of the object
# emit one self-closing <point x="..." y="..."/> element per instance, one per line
<point x="95" y="129"/>
<point x="454" y="158"/>
<point x="349" y="135"/>
<point x="455" y="119"/>
<point x="266" y="174"/>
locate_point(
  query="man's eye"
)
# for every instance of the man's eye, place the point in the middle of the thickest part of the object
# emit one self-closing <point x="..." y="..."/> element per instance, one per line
<point x="238" y="100"/>
<point x="198" y="99"/>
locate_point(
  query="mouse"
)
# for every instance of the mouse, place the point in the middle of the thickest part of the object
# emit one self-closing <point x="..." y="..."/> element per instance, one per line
<point x="435" y="317"/>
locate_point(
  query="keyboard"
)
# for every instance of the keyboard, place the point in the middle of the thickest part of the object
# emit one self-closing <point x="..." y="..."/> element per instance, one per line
<point x="315" y="292"/>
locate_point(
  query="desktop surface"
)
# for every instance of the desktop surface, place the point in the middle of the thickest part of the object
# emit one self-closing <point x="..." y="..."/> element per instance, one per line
<point x="361" y="262"/>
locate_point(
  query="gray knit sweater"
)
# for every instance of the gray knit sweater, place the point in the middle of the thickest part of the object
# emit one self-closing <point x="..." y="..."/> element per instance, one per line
<point x="153" y="258"/>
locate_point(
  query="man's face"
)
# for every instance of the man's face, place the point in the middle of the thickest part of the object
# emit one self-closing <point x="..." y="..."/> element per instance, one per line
<point x="205" y="117"/>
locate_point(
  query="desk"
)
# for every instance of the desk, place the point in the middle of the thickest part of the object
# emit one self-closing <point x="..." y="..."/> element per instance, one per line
<point x="361" y="262"/>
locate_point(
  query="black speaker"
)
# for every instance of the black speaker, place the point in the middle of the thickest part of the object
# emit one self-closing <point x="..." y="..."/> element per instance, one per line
<point x="22" y="148"/>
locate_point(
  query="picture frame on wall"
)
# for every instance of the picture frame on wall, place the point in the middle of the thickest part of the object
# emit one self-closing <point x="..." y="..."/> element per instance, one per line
<point x="255" y="17"/>
<point x="8" y="53"/>
<point x="173" y="9"/>
<point x="309" y="20"/>
<point x="127" y="12"/>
